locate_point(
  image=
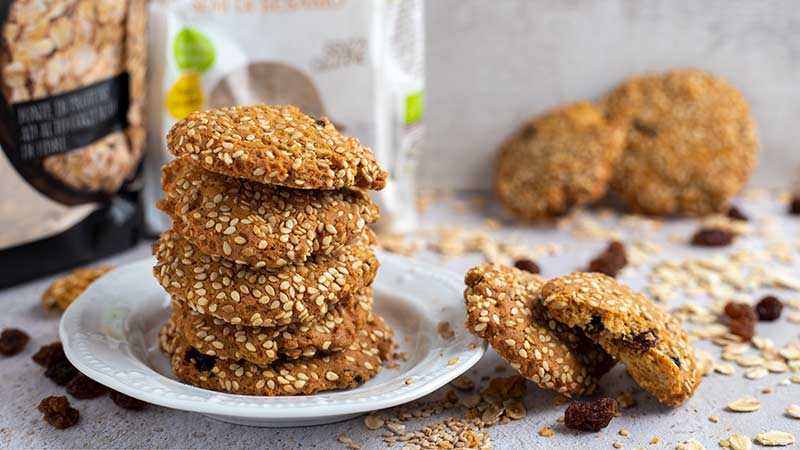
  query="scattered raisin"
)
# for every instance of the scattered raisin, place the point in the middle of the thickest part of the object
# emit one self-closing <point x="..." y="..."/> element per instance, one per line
<point x="61" y="373"/>
<point x="642" y="341"/>
<point x="320" y="122"/>
<point x="590" y="415"/>
<point x="527" y="265"/>
<point x="83" y="387"/>
<point x="744" y="328"/>
<point x="737" y="214"/>
<point x="125" y="402"/>
<point x="712" y="237"/>
<point x="202" y="362"/>
<point x="676" y="360"/>
<point x="50" y="355"/>
<point x="736" y="311"/>
<point x="769" y="308"/>
<point x="613" y="259"/>
<point x="13" y="341"/>
<point x="794" y="206"/>
<point x="595" y="326"/>
<point x="644" y="128"/>
<point x="58" y="412"/>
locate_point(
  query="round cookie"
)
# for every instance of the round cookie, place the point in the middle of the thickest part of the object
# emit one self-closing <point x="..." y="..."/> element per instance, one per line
<point x="263" y="345"/>
<point x="503" y="307"/>
<point x="349" y="368"/>
<point x="560" y="159"/>
<point x="257" y="224"/>
<point x="650" y="342"/>
<point x="243" y="295"/>
<point x="64" y="290"/>
<point x="275" y="145"/>
<point x="691" y="142"/>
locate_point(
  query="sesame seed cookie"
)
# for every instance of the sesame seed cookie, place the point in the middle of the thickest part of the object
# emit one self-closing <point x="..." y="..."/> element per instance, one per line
<point x="691" y="142"/>
<point x="649" y="341"/>
<point x="64" y="290"/>
<point x="263" y="345"/>
<point x="503" y="307"/>
<point x="257" y="224"/>
<point x="276" y="145"/>
<point x="560" y="159"/>
<point x="243" y="295"/>
<point x="349" y="368"/>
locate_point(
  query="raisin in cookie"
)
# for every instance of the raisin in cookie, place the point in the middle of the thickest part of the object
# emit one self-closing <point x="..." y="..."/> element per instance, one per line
<point x="257" y="224"/>
<point x="335" y="331"/>
<point x="349" y="368"/>
<point x="503" y="307"/>
<point x="650" y="342"/>
<point x="276" y="145"/>
<point x="560" y="159"/>
<point x="243" y="295"/>
<point x="691" y="142"/>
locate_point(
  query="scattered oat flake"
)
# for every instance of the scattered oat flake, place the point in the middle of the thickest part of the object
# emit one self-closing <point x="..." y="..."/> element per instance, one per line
<point x="775" y="438"/>
<point x="691" y="444"/>
<point x="409" y="380"/>
<point x="714" y="419"/>
<point x="744" y="404"/>
<point x="374" y="422"/>
<point x="547" y="432"/>
<point x="444" y="329"/>
<point x="756" y="373"/>
<point x="624" y="432"/>
<point x="452" y="361"/>
<point x="617" y="444"/>
<point x="793" y="411"/>
<point x="740" y="442"/>
<point x="655" y="440"/>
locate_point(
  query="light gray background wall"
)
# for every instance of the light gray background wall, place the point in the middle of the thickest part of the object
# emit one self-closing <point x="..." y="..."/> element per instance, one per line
<point x="493" y="63"/>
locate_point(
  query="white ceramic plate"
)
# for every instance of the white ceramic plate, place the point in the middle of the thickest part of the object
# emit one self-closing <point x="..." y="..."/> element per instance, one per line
<point x="110" y="333"/>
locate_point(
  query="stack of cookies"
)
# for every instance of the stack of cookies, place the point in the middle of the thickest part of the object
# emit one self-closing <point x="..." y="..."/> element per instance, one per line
<point x="269" y="261"/>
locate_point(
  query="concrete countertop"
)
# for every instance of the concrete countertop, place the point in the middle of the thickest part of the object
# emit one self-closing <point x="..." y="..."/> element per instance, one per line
<point x="104" y="425"/>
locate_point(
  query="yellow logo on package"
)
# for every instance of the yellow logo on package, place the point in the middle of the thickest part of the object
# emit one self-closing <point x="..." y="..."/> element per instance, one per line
<point x="194" y="54"/>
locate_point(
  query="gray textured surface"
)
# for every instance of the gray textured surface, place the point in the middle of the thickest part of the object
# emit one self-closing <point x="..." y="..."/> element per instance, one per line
<point x="493" y="64"/>
<point x="103" y="425"/>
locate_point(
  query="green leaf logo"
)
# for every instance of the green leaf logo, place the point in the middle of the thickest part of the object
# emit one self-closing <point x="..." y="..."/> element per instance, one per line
<point x="193" y="50"/>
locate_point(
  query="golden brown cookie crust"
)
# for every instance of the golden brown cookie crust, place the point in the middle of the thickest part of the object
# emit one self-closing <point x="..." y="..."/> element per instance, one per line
<point x="503" y="308"/>
<point x="691" y="142"/>
<point x="349" y="368"/>
<point x="243" y="295"/>
<point x="650" y="342"/>
<point x="276" y="145"/>
<point x="263" y="345"/>
<point x="260" y="225"/>
<point x="560" y="159"/>
<point x="64" y="290"/>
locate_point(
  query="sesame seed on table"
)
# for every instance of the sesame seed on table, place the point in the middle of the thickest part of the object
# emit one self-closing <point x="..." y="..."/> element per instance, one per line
<point x="692" y="282"/>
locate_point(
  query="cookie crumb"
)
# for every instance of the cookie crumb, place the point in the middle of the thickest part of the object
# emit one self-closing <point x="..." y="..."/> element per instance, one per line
<point x="714" y="419"/>
<point x="58" y="412"/>
<point x="444" y="329"/>
<point x="547" y="432"/>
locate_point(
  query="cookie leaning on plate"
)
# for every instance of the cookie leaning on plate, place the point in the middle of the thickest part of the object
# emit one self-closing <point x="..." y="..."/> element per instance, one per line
<point x="503" y="307"/>
<point x="240" y="294"/>
<point x="257" y="224"/>
<point x="691" y="142"/>
<point x="560" y="159"/>
<point x="335" y="331"/>
<point x="276" y="145"/>
<point x="650" y="342"/>
<point x="349" y="368"/>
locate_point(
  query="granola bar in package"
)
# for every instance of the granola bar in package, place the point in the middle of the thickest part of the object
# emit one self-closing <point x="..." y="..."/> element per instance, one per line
<point x="358" y="62"/>
<point x="72" y="80"/>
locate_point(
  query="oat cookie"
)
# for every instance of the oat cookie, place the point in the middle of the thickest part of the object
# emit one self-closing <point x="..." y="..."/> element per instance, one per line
<point x="275" y="145"/>
<point x="349" y="368"/>
<point x="258" y="224"/>
<point x="560" y="159"/>
<point x="691" y="142"/>
<point x="64" y="290"/>
<point x="649" y="341"/>
<point x="243" y="295"/>
<point x="503" y="307"/>
<point x="263" y="345"/>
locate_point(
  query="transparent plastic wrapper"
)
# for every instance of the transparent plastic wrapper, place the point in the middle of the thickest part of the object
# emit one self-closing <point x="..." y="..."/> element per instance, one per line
<point x="358" y="62"/>
<point x="72" y="81"/>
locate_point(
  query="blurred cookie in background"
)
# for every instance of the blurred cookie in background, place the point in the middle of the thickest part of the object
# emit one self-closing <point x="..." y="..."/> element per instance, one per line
<point x="691" y="143"/>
